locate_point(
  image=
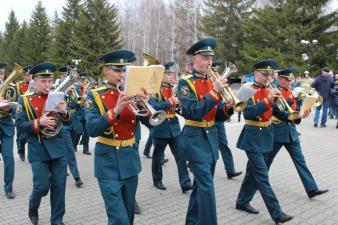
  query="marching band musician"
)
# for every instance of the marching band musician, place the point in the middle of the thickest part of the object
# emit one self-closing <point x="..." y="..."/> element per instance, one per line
<point x="7" y="135"/>
<point x="201" y="106"/>
<point x="285" y="134"/>
<point x="226" y="154"/>
<point x="46" y="154"/>
<point x="168" y="132"/>
<point x="116" y="161"/>
<point x="256" y="139"/>
<point x="22" y="88"/>
<point x="80" y="90"/>
<point x="70" y="131"/>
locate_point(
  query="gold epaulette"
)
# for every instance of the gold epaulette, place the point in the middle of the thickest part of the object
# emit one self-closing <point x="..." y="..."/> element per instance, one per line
<point x="99" y="89"/>
<point x="28" y="93"/>
<point x="186" y="76"/>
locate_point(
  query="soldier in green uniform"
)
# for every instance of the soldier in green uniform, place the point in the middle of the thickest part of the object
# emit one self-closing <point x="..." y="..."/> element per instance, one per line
<point x="116" y="159"/>
<point x="7" y="133"/>
<point x="202" y="106"/>
<point x="46" y="148"/>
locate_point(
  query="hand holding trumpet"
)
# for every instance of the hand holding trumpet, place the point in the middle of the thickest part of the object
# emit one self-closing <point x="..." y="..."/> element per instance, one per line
<point x="220" y="84"/>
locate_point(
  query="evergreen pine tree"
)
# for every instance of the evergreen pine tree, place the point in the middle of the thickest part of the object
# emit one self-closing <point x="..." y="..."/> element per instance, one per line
<point x="62" y="51"/>
<point x="39" y="36"/>
<point x="223" y="21"/>
<point x="97" y="33"/>
<point x="276" y="32"/>
<point x="16" y="52"/>
<point x="10" y="29"/>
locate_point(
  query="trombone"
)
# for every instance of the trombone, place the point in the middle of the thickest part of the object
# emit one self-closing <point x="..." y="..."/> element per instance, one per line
<point x="227" y="94"/>
<point x="282" y="104"/>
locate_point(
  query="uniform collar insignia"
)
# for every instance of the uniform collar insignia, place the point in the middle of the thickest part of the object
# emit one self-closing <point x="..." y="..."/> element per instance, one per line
<point x="165" y="85"/>
<point x="198" y="74"/>
<point x="258" y="85"/>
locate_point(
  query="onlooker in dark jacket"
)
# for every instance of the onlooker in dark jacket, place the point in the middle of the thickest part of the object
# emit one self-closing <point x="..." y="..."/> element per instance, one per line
<point x="334" y="93"/>
<point x="323" y="85"/>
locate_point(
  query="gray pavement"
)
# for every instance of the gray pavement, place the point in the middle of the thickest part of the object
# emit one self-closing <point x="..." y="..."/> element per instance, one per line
<point x="85" y="205"/>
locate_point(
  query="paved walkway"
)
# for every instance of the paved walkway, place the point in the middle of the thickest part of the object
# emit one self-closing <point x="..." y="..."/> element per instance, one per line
<point x="85" y="205"/>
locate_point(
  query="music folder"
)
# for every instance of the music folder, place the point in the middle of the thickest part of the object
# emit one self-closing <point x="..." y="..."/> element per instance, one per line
<point x="53" y="99"/>
<point x="308" y="103"/>
<point x="147" y="77"/>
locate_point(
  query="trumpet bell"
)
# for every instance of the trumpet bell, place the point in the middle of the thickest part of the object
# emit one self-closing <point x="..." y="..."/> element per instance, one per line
<point x="150" y="60"/>
<point x="157" y="118"/>
<point x="240" y="106"/>
<point x="319" y="101"/>
<point x="293" y="115"/>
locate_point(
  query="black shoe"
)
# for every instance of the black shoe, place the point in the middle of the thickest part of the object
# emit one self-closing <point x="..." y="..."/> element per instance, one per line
<point x="87" y="153"/>
<point x="160" y="186"/>
<point x="234" y="174"/>
<point x="10" y="195"/>
<point x="33" y="216"/>
<point x="147" y="156"/>
<point x="316" y="192"/>
<point x="22" y="156"/>
<point x="163" y="161"/>
<point x="283" y="218"/>
<point x="186" y="188"/>
<point x="58" y="223"/>
<point x="337" y="126"/>
<point x="78" y="182"/>
<point x="67" y="174"/>
<point x="316" y="125"/>
<point x="323" y="125"/>
<point x="137" y="209"/>
<point x="247" y="208"/>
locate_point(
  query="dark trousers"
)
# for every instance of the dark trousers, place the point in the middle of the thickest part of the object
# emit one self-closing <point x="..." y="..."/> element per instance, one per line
<point x="148" y="145"/>
<point x="70" y="153"/>
<point x="224" y="148"/>
<point x="298" y="160"/>
<point x="202" y="204"/>
<point x="84" y="139"/>
<point x="257" y="177"/>
<point x="50" y="175"/>
<point x="119" y="199"/>
<point x="8" y="160"/>
<point x="21" y="140"/>
<point x="156" y="167"/>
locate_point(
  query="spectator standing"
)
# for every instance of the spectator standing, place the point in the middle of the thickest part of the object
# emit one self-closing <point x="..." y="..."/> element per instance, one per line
<point x="323" y="85"/>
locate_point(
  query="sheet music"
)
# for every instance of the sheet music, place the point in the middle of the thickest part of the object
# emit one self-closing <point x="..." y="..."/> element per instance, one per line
<point x="308" y="103"/>
<point x="147" y="77"/>
<point x="53" y="99"/>
<point x="245" y="93"/>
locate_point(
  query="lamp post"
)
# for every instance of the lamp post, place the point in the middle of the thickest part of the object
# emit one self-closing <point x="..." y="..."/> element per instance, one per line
<point x="76" y="62"/>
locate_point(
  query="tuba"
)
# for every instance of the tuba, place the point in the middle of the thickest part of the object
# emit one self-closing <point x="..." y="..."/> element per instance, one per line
<point x="227" y="94"/>
<point x="7" y="91"/>
<point x="282" y="104"/>
<point x="70" y="79"/>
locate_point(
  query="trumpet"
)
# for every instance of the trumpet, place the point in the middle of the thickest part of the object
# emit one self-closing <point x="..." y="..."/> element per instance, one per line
<point x="81" y="100"/>
<point x="282" y="104"/>
<point x="227" y="94"/>
<point x="140" y="107"/>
